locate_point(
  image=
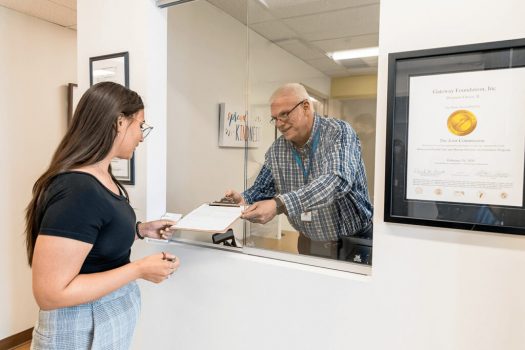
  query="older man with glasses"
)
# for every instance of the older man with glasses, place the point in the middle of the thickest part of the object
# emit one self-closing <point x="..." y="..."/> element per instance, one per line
<point x="314" y="174"/>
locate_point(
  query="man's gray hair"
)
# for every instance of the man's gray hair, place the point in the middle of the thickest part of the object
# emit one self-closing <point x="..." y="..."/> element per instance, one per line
<point x="293" y="89"/>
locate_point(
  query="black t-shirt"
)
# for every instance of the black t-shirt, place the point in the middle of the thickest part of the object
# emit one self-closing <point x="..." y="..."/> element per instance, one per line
<point x="77" y="206"/>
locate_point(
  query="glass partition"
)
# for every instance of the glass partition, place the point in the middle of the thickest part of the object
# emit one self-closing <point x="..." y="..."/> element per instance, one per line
<point x="225" y="61"/>
<point x="207" y="69"/>
<point x="323" y="183"/>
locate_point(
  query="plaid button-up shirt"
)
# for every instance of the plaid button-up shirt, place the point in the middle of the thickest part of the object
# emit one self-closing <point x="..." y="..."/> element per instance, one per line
<point x="335" y="191"/>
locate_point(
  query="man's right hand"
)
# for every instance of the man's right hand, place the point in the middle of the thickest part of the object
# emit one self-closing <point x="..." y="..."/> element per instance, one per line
<point x="235" y="196"/>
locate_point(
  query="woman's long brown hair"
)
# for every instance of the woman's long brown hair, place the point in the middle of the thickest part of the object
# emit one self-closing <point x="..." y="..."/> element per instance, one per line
<point x="88" y="140"/>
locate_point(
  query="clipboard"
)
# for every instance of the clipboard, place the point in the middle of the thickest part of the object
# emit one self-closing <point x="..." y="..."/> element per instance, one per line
<point x="225" y="202"/>
<point x="210" y="218"/>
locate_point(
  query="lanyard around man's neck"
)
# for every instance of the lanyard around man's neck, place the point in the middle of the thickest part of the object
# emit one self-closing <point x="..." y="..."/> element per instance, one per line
<point x="298" y="160"/>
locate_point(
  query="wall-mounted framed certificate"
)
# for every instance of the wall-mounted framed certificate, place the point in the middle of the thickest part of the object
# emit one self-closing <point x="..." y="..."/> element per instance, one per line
<point x="456" y="137"/>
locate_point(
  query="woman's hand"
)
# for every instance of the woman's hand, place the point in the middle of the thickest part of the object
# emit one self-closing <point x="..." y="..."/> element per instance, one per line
<point x="158" y="267"/>
<point x="160" y="229"/>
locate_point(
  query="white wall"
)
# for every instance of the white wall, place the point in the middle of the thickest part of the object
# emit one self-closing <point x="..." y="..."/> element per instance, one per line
<point x="442" y="288"/>
<point x="431" y="288"/>
<point x="37" y="60"/>
<point x="139" y="27"/>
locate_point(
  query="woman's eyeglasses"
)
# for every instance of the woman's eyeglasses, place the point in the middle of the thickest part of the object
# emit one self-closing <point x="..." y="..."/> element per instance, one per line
<point x="144" y="128"/>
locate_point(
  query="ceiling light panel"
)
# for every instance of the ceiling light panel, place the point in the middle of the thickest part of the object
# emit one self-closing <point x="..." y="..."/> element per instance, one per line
<point x="356" y="53"/>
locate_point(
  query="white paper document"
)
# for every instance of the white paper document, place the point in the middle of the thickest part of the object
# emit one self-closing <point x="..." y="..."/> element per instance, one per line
<point x="171" y="216"/>
<point x="209" y="218"/>
<point x="466" y="137"/>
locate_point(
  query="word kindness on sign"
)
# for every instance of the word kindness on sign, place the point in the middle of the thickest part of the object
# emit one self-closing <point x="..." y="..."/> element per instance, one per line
<point x="236" y="129"/>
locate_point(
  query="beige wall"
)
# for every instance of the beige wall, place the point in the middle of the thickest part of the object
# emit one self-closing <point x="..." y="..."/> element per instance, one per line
<point x="354" y="87"/>
<point x="37" y="60"/>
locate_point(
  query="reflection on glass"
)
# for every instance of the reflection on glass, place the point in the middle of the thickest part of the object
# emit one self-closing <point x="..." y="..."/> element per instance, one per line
<point x="329" y="209"/>
<point x="314" y="174"/>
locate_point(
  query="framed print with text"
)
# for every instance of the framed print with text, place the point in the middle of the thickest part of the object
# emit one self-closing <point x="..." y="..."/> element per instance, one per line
<point x="115" y="68"/>
<point x="456" y="137"/>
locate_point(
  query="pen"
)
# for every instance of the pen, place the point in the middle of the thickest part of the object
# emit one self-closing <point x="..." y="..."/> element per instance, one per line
<point x="164" y="257"/>
<point x="219" y="204"/>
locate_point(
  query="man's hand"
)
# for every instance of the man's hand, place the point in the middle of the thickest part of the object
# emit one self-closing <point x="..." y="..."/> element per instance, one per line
<point x="260" y="212"/>
<point x="235" y="196"/>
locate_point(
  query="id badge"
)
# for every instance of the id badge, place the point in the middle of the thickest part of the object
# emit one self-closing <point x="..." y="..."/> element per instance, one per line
<point x="307" y="216"/>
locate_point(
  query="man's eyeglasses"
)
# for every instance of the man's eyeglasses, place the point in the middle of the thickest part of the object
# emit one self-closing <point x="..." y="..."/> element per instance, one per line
<point x="283" y="116"/>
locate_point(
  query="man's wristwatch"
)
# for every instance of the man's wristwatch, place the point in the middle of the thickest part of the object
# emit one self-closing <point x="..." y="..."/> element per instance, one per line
<point x="281" y="208"/>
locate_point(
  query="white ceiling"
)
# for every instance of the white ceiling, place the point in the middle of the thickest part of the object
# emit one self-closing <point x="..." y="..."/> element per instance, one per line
<point x="61" y="12"/>
<point x="308" y="29"/>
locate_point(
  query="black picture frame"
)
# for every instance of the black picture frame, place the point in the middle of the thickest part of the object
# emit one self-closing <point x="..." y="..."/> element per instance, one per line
<point x="114" y="67"/>
<point x="399" y="208"/>
<point x="111" y="60"/>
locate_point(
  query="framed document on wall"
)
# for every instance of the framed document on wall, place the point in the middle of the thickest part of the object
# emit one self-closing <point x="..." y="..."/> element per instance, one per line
<point x="115" y="68"/>
<point x="456" y="137"/>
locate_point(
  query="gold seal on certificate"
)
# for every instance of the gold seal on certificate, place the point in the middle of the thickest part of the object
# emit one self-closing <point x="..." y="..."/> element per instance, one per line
<point x="461" y="122"/>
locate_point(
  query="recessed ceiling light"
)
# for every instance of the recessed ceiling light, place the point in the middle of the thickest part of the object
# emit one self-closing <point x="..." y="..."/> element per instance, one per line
<point x="357" y="53"/>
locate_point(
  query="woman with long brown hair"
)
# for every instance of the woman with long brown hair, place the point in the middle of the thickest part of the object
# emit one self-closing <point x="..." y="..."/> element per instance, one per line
<point x="80" y="228"/>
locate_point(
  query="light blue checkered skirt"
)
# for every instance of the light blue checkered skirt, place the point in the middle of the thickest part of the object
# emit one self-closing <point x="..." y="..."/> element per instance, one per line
<point x="106" y="323"/>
